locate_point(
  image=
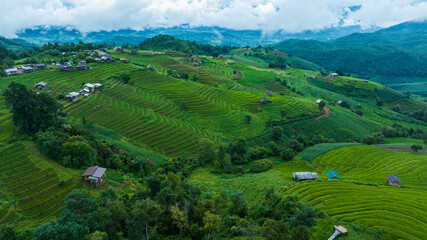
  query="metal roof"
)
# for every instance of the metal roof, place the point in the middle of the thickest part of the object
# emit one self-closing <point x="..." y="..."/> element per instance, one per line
<point x="72" y="94"/>
<point x="332" y="174"/>
<point x="89" y="85"/>
<point x="305" y="175"/>
<point x="89" y="171"/>
<point x="99" y="172"/>
<point x="41" y="83"/>
<point x="392" y="178"/>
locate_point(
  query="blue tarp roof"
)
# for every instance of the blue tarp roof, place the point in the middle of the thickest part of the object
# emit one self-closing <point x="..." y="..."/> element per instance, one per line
<point x="332" y="174"/>
<point x="392" y="178"/>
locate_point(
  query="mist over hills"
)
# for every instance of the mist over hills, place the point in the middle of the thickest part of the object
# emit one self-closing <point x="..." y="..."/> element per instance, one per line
<point x="208" y="35"/>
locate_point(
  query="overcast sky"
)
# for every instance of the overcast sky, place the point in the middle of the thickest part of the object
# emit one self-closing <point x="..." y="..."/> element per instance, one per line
<point x="268" y="15"/>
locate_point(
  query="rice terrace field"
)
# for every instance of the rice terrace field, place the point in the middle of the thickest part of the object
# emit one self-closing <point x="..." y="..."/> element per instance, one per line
<point x="362" y="194"/>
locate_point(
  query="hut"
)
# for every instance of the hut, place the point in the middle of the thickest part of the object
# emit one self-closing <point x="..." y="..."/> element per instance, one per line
<point x="149" y="67"/>
<point x="332" y="174"/>
<point x="333" y="74"/>
<point x="27" y="69"/>
<point x="40" y="86"/>
<point x="97" y="85"/>
<point x="318" y="101"/>
<point x="124" y="60"/>
<point x="301" y="176"/>
<point x="66" y="67"/>
<point x="393" y="181"/>
<point x="263" y="100"/>
<point x="11" y="71"/>
<point x="269" y="93"/>
<point x="90" y="87"/>
<point x="338" y="230"/>
<point x="72" y="96"/>
<point x="94" y="175"/>
<point x="40" y="66"/>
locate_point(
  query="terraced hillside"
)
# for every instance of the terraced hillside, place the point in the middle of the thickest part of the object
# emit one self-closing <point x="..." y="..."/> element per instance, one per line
<point x="150" y="110"/>
<point x="363" y="196"/>
<point x="35" y="193"/>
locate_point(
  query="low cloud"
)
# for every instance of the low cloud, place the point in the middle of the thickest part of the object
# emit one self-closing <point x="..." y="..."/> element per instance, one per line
<point x="268" y="15"/>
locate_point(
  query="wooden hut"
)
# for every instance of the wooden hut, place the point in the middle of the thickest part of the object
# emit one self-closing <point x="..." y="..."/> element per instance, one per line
<point x="263" y="100"/>
<point x="332" y="174"/>
<point x="338" y="230"/>
<point x="393" y="181"/>
<point x="94" y="175"/>
<point x="72" y="96"/>
<point x="301" y="176"/>
<point x="40" y="86"/>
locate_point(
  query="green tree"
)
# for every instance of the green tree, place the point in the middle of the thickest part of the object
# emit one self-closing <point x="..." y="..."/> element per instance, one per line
<point x="183" y="105"/>
<point x="321" y="105"/>
<point x="195" y="78"/>
<point x="31" y="112"/>
<point x="301" y="232"/>
<point x="304" y="215"/>
<point x="416" y="148"/>
<point x="288" y="154"/>
<point x="408" y="93"/>
<point x="425" y="138"/>
<point x="211" y="223"/>
<point x="282" y="113"/>
<point x="143" y="213"/>
<point x="274" y="230"/>
<point x="248" y="118"/>
<point x="277" y="133"/>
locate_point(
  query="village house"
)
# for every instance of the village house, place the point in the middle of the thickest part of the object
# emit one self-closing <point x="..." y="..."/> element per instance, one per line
<point x="393" y="181"/>
<point x="97" y="85"/>
<point x="301" y="176"/>
<point x="333" y="74"/>
<point x="332" y="174"/>
<point x="40" y="86"/>
<point x="90" y="87"/>
<point x="11" y="71"/>
<point x="72" y="96"/>
<point x="81" y="66"/>
<point x="263" y="100"/>
<point x="151" y="68"/>
<point x="318" y="101"/>
<point x="84" y="91"/>
<point x="230" y="62"/>
<point x="66" y="67"/>
<point x="94" y="175"/>
<point x="25" y="69"/>
<point x="40" y="66"/>
<point x="269" y="93"/>
<point x="364" y="80"/>
<point x="124" y="60"/>
<point x="118" y="49"/>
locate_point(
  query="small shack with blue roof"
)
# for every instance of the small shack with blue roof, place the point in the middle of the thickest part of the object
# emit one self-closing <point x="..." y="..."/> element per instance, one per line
<point x="332" y="174"/>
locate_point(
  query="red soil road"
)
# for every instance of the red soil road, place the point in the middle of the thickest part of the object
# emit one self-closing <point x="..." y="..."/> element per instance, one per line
<point x="326" y="113"/>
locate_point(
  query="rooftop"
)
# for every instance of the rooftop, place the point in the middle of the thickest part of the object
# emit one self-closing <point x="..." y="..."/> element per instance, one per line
<point x="332" y="174"/>
<point x="305" y="175"/>
<point x="392" y="178"/>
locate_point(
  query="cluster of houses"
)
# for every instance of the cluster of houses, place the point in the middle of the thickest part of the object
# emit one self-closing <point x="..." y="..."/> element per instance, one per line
<point x="68" y="66"/>
<point x="333" y="175"/>
<point x="24" y="69"/>
<point x="103" y="57"/>
<point x="87" y="88"/>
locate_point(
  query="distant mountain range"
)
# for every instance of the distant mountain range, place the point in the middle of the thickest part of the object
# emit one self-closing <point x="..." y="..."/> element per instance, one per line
<point x="208" y="35"/>
<point x="400" y="50"/>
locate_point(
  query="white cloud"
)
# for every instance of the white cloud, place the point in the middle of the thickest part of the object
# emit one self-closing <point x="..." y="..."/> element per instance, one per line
<point x="267" y="15"/>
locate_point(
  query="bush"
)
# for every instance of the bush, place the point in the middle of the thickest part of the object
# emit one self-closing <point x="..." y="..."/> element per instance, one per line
<point x="60" y="96"/>
<point x="288" y="154"/>
<point x="261" y="166"/>
<point x="239" y="170"/>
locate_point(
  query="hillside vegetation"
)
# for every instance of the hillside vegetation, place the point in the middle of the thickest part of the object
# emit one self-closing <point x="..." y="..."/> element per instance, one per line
<point x="396" y="51"/>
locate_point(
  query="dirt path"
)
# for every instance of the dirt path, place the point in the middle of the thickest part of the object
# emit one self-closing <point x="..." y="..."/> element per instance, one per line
<point x="326" y="113"/>
<point x="235" y="85"/>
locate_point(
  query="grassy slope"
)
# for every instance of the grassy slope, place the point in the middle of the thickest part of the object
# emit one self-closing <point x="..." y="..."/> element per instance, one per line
<point x="374" y="204"/>
<point x="362" y="195"/>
